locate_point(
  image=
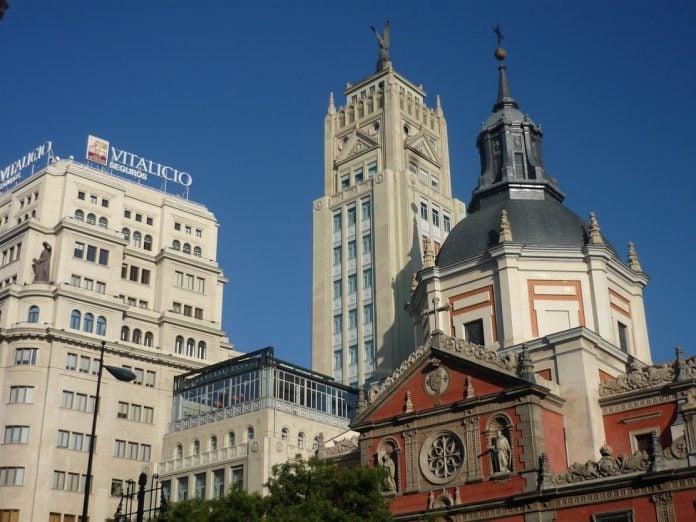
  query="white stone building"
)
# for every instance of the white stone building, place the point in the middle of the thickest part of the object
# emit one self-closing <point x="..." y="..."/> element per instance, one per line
<point x="114" y="261"/>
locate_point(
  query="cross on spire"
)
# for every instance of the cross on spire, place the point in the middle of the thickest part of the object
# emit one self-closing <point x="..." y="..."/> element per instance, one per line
<point x="498" y="34"/>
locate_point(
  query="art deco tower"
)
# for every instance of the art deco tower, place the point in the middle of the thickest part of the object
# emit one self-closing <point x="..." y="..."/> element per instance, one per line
<point x="387" y="190"/>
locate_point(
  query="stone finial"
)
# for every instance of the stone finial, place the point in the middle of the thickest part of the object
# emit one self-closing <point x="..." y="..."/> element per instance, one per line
<point x="428" y="254"/>
<point x="408" y="403"/>
<point x="682" y="370"/>
<point x="595" y="236"/>
<point x="505" y="230"/>
<point x="414" y="282"/>
<point x="469" y="391"/>
<point x="633" y="262"/>
<point x="362" y="402"/>
<point x="457" y="497"/>
<point x="657" y="458"/>
<point x="431" y="500"/>
<point x="438" y="104"/>
<point x="332" y="107"/>
<point x="525" y="368"/>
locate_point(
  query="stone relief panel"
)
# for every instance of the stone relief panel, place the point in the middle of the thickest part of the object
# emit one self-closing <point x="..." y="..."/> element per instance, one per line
<point x="442" y="457"/>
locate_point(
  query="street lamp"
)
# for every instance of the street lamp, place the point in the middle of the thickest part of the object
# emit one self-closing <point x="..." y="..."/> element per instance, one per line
<point x="121" y="374"/>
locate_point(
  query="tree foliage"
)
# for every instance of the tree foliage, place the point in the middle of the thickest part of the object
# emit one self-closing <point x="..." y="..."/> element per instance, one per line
<point x="298" y="491"/>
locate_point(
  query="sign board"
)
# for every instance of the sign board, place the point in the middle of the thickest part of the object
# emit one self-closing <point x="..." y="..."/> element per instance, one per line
<point x="100" y="151"/>
<point x="13" y="172"/>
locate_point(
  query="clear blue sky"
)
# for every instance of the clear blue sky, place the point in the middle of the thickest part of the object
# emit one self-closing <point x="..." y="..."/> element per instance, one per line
<point x="235" y="92"/>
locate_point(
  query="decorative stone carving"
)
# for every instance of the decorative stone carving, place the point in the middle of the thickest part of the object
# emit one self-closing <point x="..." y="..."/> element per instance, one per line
<point x="641" y="377"/>
<point x="633" y="261"/>
<point x="428" y="254"/>
<point x="505" y="230"/>
<point x="604" y="467"/>
<point x="387" y="458"/>
<point x="469" y="390"/>
<point x="42" y="265"/>
<point x="441" y="457"/>
<point x="408" y="403"/>
<point x="594" y="231"/>
<point x="436" y="380"/>
<point x="499" y="445"/>
<point x="340" y="447"/>
<point x="461" y="347"/>
<point x="378" y="389"/>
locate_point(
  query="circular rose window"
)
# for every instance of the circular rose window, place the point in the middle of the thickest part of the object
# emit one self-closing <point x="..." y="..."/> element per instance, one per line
<point x="441" y="457"/>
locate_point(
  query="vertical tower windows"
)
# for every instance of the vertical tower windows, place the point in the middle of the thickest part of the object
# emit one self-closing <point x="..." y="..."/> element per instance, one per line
<point x="351" y="216"/>
<point x="365" y="210"/>
<point x="424" y="210"/>
<point x="337" y="223"/>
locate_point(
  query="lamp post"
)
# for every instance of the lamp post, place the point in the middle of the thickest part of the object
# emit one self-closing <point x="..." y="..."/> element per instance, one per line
<point x="121" y="374"/>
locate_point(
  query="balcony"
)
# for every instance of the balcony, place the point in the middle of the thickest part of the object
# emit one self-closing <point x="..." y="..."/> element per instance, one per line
<point x="210" y="457"/>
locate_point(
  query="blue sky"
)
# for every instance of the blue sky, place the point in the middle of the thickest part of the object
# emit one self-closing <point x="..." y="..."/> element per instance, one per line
<point x="235" y="93"/>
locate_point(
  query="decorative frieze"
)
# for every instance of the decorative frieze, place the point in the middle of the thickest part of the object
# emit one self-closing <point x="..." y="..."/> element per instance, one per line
<point x="640" y="403"/>
<point x="604" y="467"/>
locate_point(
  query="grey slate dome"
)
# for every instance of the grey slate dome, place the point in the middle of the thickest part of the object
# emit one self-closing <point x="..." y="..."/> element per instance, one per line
<point x="540" y="223"/>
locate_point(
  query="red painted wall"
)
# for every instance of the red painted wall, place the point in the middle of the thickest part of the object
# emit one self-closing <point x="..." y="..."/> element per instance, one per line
<point x="617" y="430"/>
<point x="554" y="441"/>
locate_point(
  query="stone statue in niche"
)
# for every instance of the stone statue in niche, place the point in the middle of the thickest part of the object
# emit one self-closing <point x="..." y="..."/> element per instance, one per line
<point x="42" y="265"/>
<point x="385" y="460"/>
<point x="502" y="453"/>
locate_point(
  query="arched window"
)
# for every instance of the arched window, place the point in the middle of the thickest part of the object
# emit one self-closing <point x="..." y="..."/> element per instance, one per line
<point x="231" y="439"/>
<point x="179" y="345"/>
<point x="176" y="245"/>
<point x="197" y="251"/>
<point x="79" y="215"/>
<point x="213" y="443"/>
<point x="137" y="239"/>
<point x="190" y="347"/>
<point x="196" y="448"/>
<point x="301" y="440"/>
<point x="179" y="453"/>
<point x="250" y="433"/>
<point x="88" y="323"/>
<point x="187" y="248"/>
<point x="201" y="350"/>
<point x="125" y="333"/>
<point x="284" y="434"/>
<point x="137" y="336"/>
<point x="103" y="222"/>
<point x="149" y="339"/>
<point x="126" y="233"/>
<point x="147" y="242"/>
<point x="33" y="316"/>
<point x="101" y="325"/>
<point x="91" y="219"/>
<point x="75" y="319"/>
<point x="315" y="444"/>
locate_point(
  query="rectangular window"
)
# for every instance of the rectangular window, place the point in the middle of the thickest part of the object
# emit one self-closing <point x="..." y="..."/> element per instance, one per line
<point x="200" y="285"/>
<point x="63" y="439"/>
<point x="338" y="360"/>
<point x="177" y="226"/>
<point x="133" y="450"/>
<point x="91" y="253"/>
<point x="615" y="516"/>
<point x="76" y="440"/>
<point x="237" y="477"/>
<point x="179" y="279"/>
<point x="134" y="273"/>
<point x="353" y="355"/>
<point x="26" y="356"/>
<point x="446" y="222"/>
<point x="436" y="217"/>
<point x="423" y="176"/>
<point x="103" y="257"/>
<point x="84" y="364"/>
<point x="352" y="319"/>
<point x="345" y="181"/>
<point x="66" y="400"/>
<point x="134" y="412"/>
<point x="127" y="214"/>
<point x="145" y="277"/>
<point x="371" y="169"/>
<point x="11" y="476"/>
<point x="337" y="256"/>
<point x="145" y="451"/>
<point x="139" y="374"/>
<point x="139" y="218"/>
<point x="519" y="164"/>
<point x="424" y="210"/>
<point x="105" y="203"/>
<point x="623" y="336"/>
<point x="16" y="434"/>
<point x="369" y="351"/>
<point x="337" y="223"/>
<point x="337" y="289"/>
<point x="58" y="481"/>
<point x="73" y="482"/>
<point x="88" y="284"/>
<point x="367" y="244"/>
<point x="358" y="175"/>
<point x="122" y="410"/>
<point x="198" y="313"/>
<point x="435" y="183"/>
<point x="367" y="278"/>
<point x="150" y="379"/>
<point x="148" y="415"/>
<point x="93" y="199"/>
<point x="116" y="487"/>
<point x="352" y="284"/>
<point x="80" y="402"/>
<point x="365" y="210"/>
<point x="71" y="361"/>
<point x="76" y="281"/>
<point x="351" y="216"/>
<point x="189" y="282"/>
<point x="473" y="332"/>
<point x="182" y="488"/>
<point x="218" y="483"/>
<point x="101" y="287"/>
<point x="80" y="195"/>
<point x="21" y="394"/>
<point x="199" y="232"/>
<point x="367" y="314"/>
<point x="79" y="250"/>
<point x="412" y="167"/>
<point x="352" y="250"/>
<point x="188" y="229"/>
<point x="337" y="324"/>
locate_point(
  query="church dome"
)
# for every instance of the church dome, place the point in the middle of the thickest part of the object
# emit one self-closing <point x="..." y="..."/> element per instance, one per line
<point x="541" y="223"/>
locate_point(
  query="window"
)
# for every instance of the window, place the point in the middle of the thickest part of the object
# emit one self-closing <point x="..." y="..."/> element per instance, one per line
<point x="76" y="440"/>
<point x="446" y="223"/>
<point x="337" y="223"/>
<point x="198" y="313"/>
<point x="213" y="443"/>
<point x="436" y="217"/>
<point x="623" y="336"/>
<point x="352" y="250"/>
<point x="133" y="450"/>
<point x="353" y="355"/>
<point x="134" y="273"/>
<point x="371" y="169"/>
<point x="139" y="375"/>
<point x="423" y="176"/>
<point x="250" y="432"/>
<point x="337" y="324"/>
<point x="200" y="285"/>
<point x="615" y="516"/>
<point x="26" y="356"/>
<point x="80" y="195"/>
<point x="58" y="481"/>
<point x="367" y="244"/>
<point x="79" y="215"/>
<point x="116" y="487"/>
<point x="125" y="333"/>
<point x="365" y="211"/>
<point x="201" y="350"/>
<point x="149" y="221"/>
<point x="101" y="325"/>
<point x="237" y="482"/>
<point x="75" y="319"/>
<point x="189" y="282"/>
<point x="136" y="336"/>
<point x="101" y="287"/>
<point x="16" y="434"/>
<point x="218" y="483"/>
<point x="88" y="323"/>
<point x="76" y="281"/>
<point x="179" y="451"/>
<point x="186" y="249"/>
<point x="134" y="412"/>
<point x="21" y="394"/>
<point x="147" y="242"/>
<point x="284" y="434"/>
<point x="424" y="210"/>
<point x="352" y="318"/>
<point x="196" y="448"/>
<point x="358" y="175"/>
<point x="91" y="253"/>
<point x="231" y="439"/>
<point x="33" y="315"/>
<point x="188" y="229"/>
<point x="148" y="415"/>
<point x="345" y="181"/>
<point x="182" y="488"/>
<point x="337" y="256"/>
<point x="103" y="257"/>
<point x="122" y="412"/>
<point x="127" y="214"/>
<point x="177" y="226"/>
<point x="11" y="476"/>
<point x="179" y="279"/>
<point x="79" y="250"/>
<point x="84" y="364"/>
<point x="145" y="452"/>
<point x="337" y="289"/>
<point x="105" y="203"/>
<point x="199" y="232"/>
<point x="197" y="251"/>
<point x="137" y="239"/>
<point x="435" y="183"/>
<point x="351" y="216"/>
<point x="63" y="439"/>
<point x="338" y="360"/>
<point x="473" y="332"/>
<point x="367" y="278"/>
<point x="103" y="222"/>
<point x="179" y="345"/>
<point x="139" y="218"/>
<point x="301" y="440"/>
<point x="188" y="310"/>
<point x="199" y="480"/>
<point x="93" y="199"/>
<point x="176" y="245"/>
<point x="149" y="339"/>
<point x="367" y="314"/>
<point x="190" y="347"/>
<point x="369" y="351"/>
<point x="352" y="284"/>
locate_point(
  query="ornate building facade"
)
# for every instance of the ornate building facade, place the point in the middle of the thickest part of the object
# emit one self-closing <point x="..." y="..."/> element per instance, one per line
<point x="387" y="189"/>
<point x="533" y="396"/>
<point x="89" y="258"/>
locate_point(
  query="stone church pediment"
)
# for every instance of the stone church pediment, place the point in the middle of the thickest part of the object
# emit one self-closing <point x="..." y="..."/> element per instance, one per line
<point x="425" y="146"/>
<point x="353" y="145"/>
